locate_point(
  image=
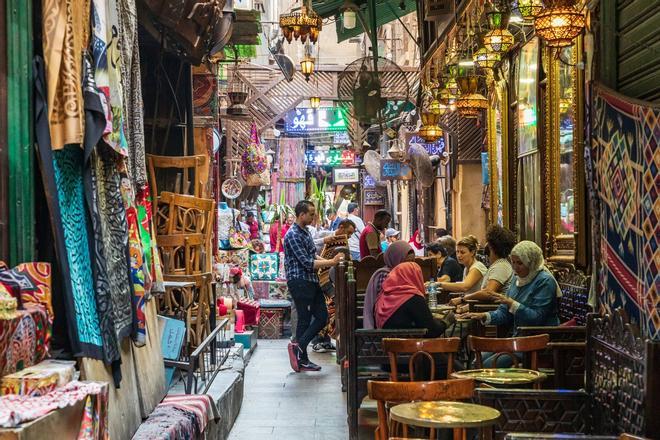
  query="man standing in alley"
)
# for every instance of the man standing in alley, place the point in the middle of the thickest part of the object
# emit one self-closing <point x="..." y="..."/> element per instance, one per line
<point x="301" y="264"/>
<point x="354" y="240"/>
<point x="370" y="237"/>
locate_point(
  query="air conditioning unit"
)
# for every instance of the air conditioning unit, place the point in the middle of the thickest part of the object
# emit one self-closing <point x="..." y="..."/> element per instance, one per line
<point x="435" y="10"/>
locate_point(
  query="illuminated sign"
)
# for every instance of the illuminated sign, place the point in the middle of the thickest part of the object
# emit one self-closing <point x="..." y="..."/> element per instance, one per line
<point x="330" y="158"/>
<point x="341" y="138"/>
<point x="433" y="148"/>
<point x="304" y="120"/>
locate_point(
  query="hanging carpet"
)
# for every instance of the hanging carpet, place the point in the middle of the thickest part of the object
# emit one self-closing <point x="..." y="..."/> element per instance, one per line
<point x="625" y="149"/>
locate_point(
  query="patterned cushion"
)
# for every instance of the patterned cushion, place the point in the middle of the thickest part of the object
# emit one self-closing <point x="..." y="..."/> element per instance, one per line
<point x="239" y="258"/>
<point x="264" y="266"/>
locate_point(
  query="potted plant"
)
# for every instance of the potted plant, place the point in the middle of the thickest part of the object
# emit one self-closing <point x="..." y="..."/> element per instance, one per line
<point x="319" y="198"/>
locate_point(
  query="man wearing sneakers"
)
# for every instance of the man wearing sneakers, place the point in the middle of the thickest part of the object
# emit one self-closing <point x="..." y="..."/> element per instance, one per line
<point x="302" y="264"/>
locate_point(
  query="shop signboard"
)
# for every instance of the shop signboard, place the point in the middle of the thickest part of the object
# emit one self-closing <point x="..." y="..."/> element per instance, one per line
<point x="306" y="120"/>
<point x="332" y="157"/>
<point x="433" y="148"/>
<point x="345" y="176"/>
<point x="391" y="169"/>
<point x="368" y="181"/>
<point x="372" y="197"/>
<point x="341" y="138"/>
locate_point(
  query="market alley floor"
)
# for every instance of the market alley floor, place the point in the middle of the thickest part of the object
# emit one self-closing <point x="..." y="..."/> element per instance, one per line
<point x="280" y="404"/>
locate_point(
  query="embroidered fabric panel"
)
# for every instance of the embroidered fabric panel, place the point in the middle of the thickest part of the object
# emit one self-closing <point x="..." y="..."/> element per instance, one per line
<point x="626" y="178"/>
<point x="67" y="165"/>
<point x="264" y="266"/>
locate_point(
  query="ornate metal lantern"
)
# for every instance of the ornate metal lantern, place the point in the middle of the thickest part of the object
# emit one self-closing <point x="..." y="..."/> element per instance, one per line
<point x="303" y="24"/>
<point x="485" y="59"/>
<point x="559" y="23"/>
<point x="430" y="131"/>
<point x="307" y="67"/>
<point x="470" y="103"/>
<point x="315" y="102"/>
<point x="529" y="9"/>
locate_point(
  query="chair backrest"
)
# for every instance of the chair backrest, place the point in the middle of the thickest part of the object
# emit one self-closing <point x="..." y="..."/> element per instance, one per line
<point x="420" y="349"/>
<point x="507" y="347"/>
<point x="429" y="267"/>
<point x="399" y="392"/>
<point x="364" y="269"/>
<point x="184" y="164"/>
<point x="182" y="254"/>
<point x="184" y="214"/>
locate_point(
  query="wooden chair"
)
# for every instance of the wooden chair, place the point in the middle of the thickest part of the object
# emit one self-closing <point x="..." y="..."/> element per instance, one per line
<point x="420" y="348"/>
<point x="429" y="267"/>
<point x="185" y="164"/>
<point x="507" y="347"/>
<point x="400" y="392"/>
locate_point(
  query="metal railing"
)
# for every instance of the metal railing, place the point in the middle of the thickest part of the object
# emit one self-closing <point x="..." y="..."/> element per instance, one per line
<point x="203" y="364"/>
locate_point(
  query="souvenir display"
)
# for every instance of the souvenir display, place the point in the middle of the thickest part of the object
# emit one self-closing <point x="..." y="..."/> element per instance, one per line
<point x="232" y="188"/>
<point x="264" y="266"/>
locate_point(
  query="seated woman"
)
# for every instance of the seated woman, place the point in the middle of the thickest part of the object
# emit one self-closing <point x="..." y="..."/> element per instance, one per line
<point x="402" y="302"/>
<point x="499" y="242"/>
<point x="448" y="267"/>
<point x="532" y="299"/>
<point x="396" y="253"/>
<point x="474" y="271"/>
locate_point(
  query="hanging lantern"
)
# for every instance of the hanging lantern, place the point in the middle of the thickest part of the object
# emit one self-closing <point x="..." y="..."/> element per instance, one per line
<point x="430" y="131"/>
<point x="498" y="40"/>
<point x="315" y="102"/>
<point x="303" y="24"/>
<point x="437" y="108"/>
<point x="307" y="67"/>
<point x="485" y="59"/>
<point x="471" y="105"/>
<point x="559" y="23"/>
<point x="529" y="9"/>
<point x="452" y="86"/>
<point x="446" y="97"/>
<point x="237" y="93"/>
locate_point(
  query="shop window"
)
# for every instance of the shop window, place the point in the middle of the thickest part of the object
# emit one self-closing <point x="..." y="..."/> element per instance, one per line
<point x="566" y="127"/>
<point x="529" y="170"/>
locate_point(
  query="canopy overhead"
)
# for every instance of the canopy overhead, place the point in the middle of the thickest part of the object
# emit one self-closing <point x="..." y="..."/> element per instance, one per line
<point x="386" y="11"/>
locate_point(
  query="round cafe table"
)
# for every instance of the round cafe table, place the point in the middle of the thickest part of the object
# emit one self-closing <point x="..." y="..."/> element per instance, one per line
<point x="445" y="414"/>
<point x="501" y="376"/>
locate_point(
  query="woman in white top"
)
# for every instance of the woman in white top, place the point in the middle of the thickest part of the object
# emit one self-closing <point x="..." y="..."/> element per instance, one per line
<point x="473" y="274"/>
<point x="499" y="242"/>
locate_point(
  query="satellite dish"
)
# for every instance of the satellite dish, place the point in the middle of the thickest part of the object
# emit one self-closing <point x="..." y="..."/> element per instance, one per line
<point x="371" y="163"/>
<point x="422" y="167"/>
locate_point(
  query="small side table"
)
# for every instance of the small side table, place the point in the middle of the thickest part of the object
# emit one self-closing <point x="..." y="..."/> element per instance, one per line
<point x="445" y="414"/>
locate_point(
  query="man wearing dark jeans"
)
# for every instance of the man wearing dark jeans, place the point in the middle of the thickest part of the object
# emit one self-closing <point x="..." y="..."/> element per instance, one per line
<point x="302" y="264"/>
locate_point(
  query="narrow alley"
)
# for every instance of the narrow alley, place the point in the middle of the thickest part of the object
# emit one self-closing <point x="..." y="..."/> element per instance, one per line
<point x="279" y="404"/>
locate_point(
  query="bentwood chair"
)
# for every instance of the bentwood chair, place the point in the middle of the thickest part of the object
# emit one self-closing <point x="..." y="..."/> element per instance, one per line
<point x="175" y="173"/>
<point x="531" y="345"/>
<point x="401" y="392"/>
<point x="419" y="350"/>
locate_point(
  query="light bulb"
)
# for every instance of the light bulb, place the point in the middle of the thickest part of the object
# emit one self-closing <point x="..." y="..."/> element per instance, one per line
<point x="349" y="19"/>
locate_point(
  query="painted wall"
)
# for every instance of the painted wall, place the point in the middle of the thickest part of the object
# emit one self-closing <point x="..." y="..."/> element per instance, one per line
<point x="469" y="217"/>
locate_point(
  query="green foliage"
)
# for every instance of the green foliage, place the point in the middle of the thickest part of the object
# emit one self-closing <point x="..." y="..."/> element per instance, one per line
<point x="319" y="197"/>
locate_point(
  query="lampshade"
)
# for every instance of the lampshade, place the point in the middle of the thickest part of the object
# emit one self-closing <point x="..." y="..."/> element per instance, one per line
<point x="470" y="105"/>
<point x="529" y="9"/>
<point x="349" y="19"/>
<point x="437" y="108"/>
<point x="301" y="25"/>
<point x="315" y="102"/>
<point x="559" y="23"/>
<point x="485" y="59"/>
<point x="498" y="40"/>
<point x="307" y="66"/>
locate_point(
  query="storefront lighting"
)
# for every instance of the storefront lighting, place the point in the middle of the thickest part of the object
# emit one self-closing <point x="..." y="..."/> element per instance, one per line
<point x="452" y="86"/>
<point x="303" y="24"/>
<point x="349" y="18"/>
<point x="437" y="108"/>
<point x="307" y="67"/>
<point x="466" y="63"/>
<point x="529" y="9"/>
<point x="559" y="23"/>
<point x="446" y="97"/>
<point x="430" y="131"/>
<point x="315" y="102"/>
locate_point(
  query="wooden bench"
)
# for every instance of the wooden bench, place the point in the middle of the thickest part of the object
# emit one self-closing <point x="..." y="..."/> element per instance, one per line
<point x="622" y="389"/>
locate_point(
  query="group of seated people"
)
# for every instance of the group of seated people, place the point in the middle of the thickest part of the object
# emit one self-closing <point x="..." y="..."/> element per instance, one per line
<point x="517" y="280"/>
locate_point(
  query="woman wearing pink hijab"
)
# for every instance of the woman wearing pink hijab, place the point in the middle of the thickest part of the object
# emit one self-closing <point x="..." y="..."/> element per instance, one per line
<point x="396" y="253"/>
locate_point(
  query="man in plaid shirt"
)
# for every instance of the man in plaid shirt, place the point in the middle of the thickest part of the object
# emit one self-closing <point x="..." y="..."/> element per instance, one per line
<point x="302" y="264"/>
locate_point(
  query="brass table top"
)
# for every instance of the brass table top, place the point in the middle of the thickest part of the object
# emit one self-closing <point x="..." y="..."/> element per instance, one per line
<point x="442" y="308"/>
<point x="501" y="376"/>
<point x="443" y="414"/>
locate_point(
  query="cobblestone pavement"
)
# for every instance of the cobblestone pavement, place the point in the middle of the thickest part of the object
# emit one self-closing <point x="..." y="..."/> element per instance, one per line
<point x="281" y="405"/>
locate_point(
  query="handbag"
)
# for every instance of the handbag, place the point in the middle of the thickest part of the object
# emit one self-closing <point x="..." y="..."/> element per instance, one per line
<point x="237" y="239"/>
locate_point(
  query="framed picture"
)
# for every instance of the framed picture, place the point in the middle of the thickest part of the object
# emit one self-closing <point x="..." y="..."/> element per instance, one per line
<point x="345" y="176"/>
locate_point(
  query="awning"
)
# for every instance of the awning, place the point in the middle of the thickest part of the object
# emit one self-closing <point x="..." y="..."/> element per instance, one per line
<point x="386" y="11"/>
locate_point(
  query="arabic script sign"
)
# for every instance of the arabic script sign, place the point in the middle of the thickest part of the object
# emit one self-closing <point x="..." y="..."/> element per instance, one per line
<point x="303" y="120"/>
<point x="394" y="170"/>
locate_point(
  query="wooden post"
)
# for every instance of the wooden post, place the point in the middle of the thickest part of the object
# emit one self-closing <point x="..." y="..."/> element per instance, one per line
<point x="19" y="131"/>
<point x="4" y="169"/>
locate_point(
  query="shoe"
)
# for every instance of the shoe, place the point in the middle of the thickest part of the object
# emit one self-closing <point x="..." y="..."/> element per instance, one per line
<point x="294" y="355"/>
<point x="307" y="365"/>
<point x="319" y="348"/>
<point x="329" y="346"/>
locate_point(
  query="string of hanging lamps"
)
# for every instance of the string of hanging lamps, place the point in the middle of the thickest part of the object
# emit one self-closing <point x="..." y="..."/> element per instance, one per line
<point x="470" y="103"/>
<point x="528" y="9"/>
<point x="301" y="24"/>
<point x="498" y="39"/>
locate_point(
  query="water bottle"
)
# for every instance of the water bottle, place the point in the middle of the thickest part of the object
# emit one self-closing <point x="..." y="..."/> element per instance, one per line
<point x="433" y="299"/>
